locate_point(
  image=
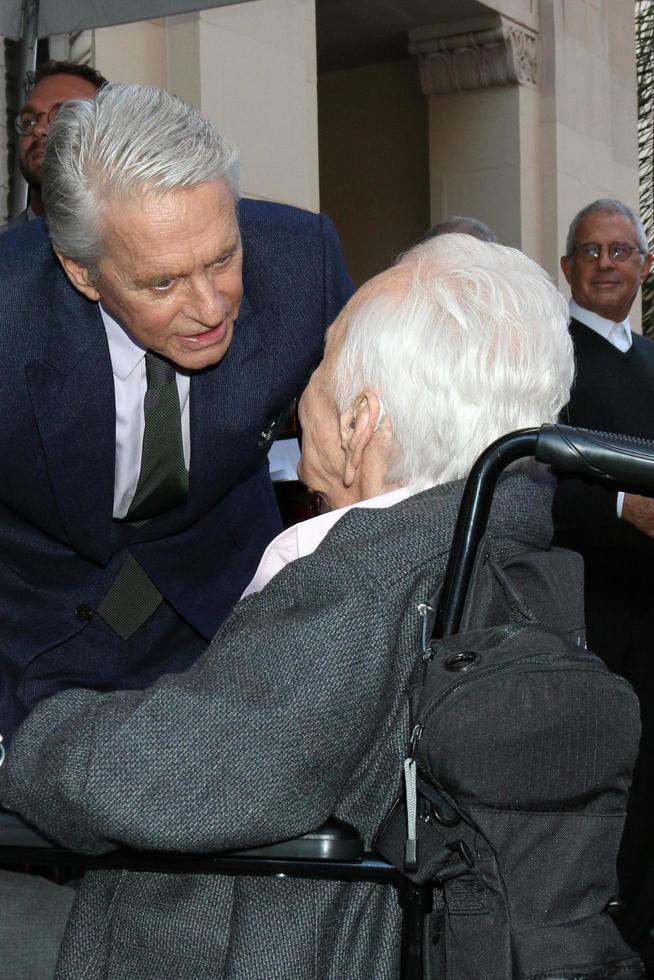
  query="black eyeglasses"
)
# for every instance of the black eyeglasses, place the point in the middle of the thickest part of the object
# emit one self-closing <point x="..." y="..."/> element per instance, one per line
<point x="618" y="251"/>
<point x="26" y="121"/>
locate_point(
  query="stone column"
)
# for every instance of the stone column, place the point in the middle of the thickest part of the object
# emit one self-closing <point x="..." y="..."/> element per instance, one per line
<point x="251" y="68"/>
<point x="589" y="110"/>
<point x="481" y="79"/>
<point x="532" y="118"/>
<point x="133" y="53"/>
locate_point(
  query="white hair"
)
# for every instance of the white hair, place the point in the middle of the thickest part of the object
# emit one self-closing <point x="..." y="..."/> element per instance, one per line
<point x="470" y="344"/>
<point x="129" y="141"/>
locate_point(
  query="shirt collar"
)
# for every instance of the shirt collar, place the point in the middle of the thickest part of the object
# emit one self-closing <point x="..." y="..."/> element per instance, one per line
<point x="605" y="328"/>
<point x="303" y="539"/>
<point x="310" y="533"/>
<point x="125" y="353"/>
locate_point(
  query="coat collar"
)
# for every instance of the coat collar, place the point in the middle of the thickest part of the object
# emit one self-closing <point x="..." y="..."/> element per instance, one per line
<point x="230" y="403"/>
<point x="73" y="397"/>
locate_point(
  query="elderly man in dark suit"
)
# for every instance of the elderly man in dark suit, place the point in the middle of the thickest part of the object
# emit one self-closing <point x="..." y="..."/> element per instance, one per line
<point x="607" y="259"/>
<point x="151" y="338"/>
<point x="298" y="709"/>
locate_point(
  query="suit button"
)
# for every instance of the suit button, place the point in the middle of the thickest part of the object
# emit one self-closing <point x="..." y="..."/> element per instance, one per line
<point x="84" y="612"/>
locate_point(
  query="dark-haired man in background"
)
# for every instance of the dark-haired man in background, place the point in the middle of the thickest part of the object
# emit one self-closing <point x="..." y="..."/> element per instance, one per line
<point x="56" y="82"/>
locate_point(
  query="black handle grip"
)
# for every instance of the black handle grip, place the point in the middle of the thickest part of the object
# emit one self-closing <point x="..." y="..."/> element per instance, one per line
<point x="620" y="462"/>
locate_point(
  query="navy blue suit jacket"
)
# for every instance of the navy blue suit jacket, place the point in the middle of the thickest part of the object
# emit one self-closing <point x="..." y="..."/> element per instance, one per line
<point x="59" y="545"/>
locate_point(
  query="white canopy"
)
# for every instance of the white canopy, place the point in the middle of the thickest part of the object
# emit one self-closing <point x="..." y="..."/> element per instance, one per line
<point x="27" y="20"/>
<point x="62" y="16"/>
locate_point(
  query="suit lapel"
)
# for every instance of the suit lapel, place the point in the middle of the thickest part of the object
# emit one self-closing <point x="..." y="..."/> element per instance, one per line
<point x="230" y="403"/>
<point x="72" y="396"/>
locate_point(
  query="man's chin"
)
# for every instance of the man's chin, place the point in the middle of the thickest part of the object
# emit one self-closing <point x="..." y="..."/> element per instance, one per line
<point x="32" y="177"/>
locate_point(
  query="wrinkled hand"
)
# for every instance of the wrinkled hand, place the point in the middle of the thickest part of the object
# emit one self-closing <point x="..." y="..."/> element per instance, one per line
<point x="639" y="511"/>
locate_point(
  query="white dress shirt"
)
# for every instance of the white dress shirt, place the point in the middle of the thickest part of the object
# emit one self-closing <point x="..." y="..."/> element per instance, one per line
<point x="618" y="335"/>
<point x="303" y="538"/>
<point x="130" y="385"/>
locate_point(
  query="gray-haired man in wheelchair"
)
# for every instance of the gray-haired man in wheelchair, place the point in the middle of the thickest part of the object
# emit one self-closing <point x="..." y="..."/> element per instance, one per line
<point x="298" y="710"/>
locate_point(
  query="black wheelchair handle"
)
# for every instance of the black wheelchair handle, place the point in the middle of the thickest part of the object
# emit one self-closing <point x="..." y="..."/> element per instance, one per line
<point x="617" y="461"/>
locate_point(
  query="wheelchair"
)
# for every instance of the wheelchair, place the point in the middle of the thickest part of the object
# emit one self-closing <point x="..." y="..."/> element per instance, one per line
<point x="335" y="851"/>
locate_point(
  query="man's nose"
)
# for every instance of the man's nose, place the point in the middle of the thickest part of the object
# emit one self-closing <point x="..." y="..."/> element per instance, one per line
<point x="206" y="302"/>
<point x="41" y="126"/>
<point x="604" y="260"/>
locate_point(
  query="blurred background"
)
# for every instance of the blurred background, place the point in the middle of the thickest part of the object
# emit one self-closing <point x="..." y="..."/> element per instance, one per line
<point x="387" y="115"/>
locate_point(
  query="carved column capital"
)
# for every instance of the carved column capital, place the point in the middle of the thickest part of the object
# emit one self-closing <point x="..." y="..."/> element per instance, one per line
<point x="475" y="54"/>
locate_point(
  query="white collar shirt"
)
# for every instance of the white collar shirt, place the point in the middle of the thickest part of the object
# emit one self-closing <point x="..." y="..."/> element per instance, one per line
<point x="303" y="538"/>
<point x="617" y="334"/>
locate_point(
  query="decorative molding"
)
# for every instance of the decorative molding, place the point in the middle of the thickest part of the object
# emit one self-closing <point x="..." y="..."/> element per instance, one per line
<point x="494" y="51"/>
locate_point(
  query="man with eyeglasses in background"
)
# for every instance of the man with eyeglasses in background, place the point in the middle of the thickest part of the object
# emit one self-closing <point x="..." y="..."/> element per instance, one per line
<point x="54" y="83"/>
<point x="607" y="259"/>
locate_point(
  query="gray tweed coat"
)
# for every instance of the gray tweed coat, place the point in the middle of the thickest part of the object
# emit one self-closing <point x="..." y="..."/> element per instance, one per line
<point x="297" y="711"/>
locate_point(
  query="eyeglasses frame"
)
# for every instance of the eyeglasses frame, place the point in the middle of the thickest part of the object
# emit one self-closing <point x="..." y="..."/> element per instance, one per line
<point x="584" y="257"/>
<point x="51" y="115"/>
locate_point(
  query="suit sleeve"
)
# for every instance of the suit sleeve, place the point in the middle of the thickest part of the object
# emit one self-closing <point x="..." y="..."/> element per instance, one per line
<point x="254" y="743"/>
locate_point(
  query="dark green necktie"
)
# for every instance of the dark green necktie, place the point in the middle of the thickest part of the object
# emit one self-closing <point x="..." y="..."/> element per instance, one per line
<point x="163" y="483"/>
<point x="163" y="480"/>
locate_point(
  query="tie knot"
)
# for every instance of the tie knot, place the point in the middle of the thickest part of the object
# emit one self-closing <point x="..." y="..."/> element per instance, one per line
<point x="158" y="370"/>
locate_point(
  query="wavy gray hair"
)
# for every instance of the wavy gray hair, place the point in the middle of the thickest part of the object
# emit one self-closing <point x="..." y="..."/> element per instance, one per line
<point x="605" y="205"/>
<point x="472" y="344"/>
<point x="128" y="141"/>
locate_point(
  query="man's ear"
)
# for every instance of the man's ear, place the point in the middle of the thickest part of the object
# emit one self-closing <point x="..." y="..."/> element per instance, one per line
<point x="646" y="266"/>
<point x="78" y="275"/>
<point x="566" y="268"/>
<point x="357" y="427"/>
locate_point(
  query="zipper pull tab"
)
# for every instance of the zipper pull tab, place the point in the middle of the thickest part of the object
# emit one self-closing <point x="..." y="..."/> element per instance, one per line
<point x="2" y="751"/>
<point x="411" y="843"/>
<point x="424" y="609"/>
<point x="416" y="735"/>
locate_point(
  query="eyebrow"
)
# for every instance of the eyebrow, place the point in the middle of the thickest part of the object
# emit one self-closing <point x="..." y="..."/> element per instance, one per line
<point x="28" y="107"/>
<point x="166" y="275"/>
